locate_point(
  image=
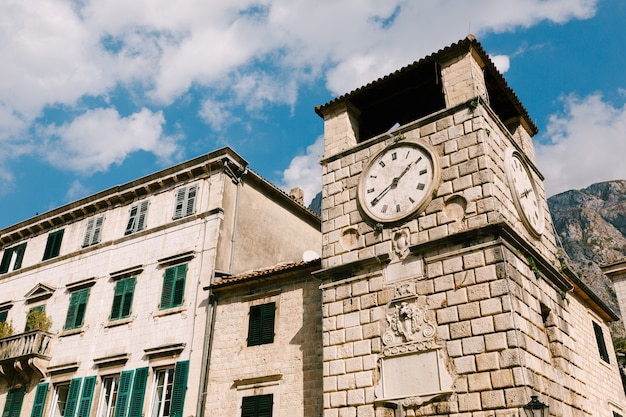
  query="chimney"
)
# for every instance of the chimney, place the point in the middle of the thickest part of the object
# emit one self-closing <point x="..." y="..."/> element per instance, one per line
<point x="298" y="195"/>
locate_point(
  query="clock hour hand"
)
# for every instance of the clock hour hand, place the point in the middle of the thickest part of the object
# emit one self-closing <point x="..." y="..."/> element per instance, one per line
<point x="393" y="184"/>
<point x="525" y="193"/>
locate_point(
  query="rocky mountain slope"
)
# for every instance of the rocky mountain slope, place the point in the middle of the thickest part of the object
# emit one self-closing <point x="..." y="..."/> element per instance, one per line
<point x="591" y="227"/>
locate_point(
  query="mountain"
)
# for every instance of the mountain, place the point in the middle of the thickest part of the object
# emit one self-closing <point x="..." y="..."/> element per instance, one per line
<point x="591" y="228"/>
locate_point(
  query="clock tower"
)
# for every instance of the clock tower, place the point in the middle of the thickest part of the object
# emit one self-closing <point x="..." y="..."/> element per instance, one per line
<point x="443" y="290"/>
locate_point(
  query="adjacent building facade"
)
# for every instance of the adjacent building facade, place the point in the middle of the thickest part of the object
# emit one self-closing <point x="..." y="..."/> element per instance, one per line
<point x="439" y="291"/>
<point x="115" y="287"/>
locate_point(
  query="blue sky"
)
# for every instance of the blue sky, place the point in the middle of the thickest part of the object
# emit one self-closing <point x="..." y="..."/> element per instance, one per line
<point x="97" y="93"/>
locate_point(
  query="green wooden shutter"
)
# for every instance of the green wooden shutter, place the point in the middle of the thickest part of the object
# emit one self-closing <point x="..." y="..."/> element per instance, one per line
<point x="139" y="392"/>
<point x="72" y="397"/>
<point x="267" y="322"/>
<point x="129" y="292"/>
<point x="179" y="285"/>
<point x="123" y="392"/>
<point x="88" y="232"/>
<point x="143" y="213"/>
<point x="604" y="354"/>
<point x="261" y="324"/>
<point x="76" y="310"/>
<point x="180" y="199"/>
<point x="19" y="250"/>
<point x="168" y="286"/>
<point x="3" y="315"/>
<point x="85" y="398"/>
<point x="53" y="245"/>
<point x="191" y="200"/>
<point x="40" y="400"/>
<point x="6" y="260"/>
<point x="13" y="404"/>
<point x="132" y="220"/>
<point x="180" y="388"/>
<point x="97" y="232"/>
<point x="123" y="298"/>
<point x="257" y="406"/>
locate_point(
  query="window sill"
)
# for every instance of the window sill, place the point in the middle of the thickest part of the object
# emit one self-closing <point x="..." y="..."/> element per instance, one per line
<point x="72" y="332"/>
<point x="167" y="312"/>
<point x="120" y="322"/>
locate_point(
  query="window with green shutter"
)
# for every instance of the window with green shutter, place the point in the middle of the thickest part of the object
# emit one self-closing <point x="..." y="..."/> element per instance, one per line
<point x="170" y="388"/>
<point x="257" y="406"/>
<point x="173" y="292"/>
<point x="185" y="201"/>
<point x="53" y="245"/>
<point x="40" y="309"/>
<point x="123" y="393"/>
<point x="108" y="395"/>
<point x="604" y="354"/>
<point x="13" y="255"/>
<point x="137" y="218"/>
<point x="93" y="231"/>
<point x="123" y="298"/>
<point x="261" y="324"/>
<point x="3" y="315"/>
<point x="40" y="400"/>
<point x="73" y="394"/>
<point x="76" y="311"/>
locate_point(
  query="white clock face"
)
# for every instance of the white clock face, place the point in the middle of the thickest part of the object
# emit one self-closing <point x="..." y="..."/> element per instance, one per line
<point x="397" y="182"/>
<point x="524" y="192"/>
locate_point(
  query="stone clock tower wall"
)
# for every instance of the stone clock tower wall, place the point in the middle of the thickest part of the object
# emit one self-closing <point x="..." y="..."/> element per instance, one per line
<point x="461" y="307"/>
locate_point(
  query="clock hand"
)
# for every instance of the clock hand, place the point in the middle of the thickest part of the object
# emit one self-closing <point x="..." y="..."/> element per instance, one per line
<point x="525" y="193"/>
<point x="394" y="184"/>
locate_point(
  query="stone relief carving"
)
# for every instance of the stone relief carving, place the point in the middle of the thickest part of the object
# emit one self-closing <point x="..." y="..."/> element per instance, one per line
<point x="408" y="322"/>
<point x="401" y="242"/>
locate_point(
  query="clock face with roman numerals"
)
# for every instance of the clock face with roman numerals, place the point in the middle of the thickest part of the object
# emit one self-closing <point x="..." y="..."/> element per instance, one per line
<point x="398" y="182"/>
<point x="524" y="190"/>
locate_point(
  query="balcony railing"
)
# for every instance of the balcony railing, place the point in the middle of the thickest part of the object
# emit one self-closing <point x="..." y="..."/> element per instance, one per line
<point x="36" y="343"/>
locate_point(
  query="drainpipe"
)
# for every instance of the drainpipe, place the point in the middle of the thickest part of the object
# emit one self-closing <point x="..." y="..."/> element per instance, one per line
<point x="207" y="346"/>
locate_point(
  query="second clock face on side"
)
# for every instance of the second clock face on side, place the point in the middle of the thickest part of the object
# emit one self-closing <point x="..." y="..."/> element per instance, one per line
<point x="398" y="182"/>
<point x="525" y="196"/>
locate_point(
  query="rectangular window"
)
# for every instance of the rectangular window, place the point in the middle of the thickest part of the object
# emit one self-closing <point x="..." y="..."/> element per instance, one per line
<point x="604" y="354"/>
<point x="13" y="404"/>
<point x="185" y="201"/>
<point x="170" y="386"/>
<point x="108" y="396"/>
<point x="14" y="256"/>
<point x="76" y="311"/>
<point x="173" y="291"/>
<point x="53" y="246"/>
<point x="261" y="324"/>
<point x="131" y="393"/>
<point x="32" y="321"/>
<point x="94" y="231"/>
<point x="61" y="392"/>
<point x="137" y="219"/>
<point x="3" y="315"/>
<point x="257" y="406"/>
<point x="123" y="298"/>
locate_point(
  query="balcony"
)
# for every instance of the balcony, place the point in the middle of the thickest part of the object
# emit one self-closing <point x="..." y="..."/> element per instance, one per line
<point x="24" y="357"/>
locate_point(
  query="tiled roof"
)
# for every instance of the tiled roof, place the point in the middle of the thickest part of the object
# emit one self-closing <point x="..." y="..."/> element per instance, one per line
<point x="264" y="273"/>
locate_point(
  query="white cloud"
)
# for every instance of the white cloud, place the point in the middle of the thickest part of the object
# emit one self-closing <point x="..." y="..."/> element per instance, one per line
<point x="583" y="145"/>
<point x="77" y="190"/>
<point x="501" y="62"/>
<point x="305" y="171"/>
<point x="101" y="137"/>
<point x="57" y="53"/>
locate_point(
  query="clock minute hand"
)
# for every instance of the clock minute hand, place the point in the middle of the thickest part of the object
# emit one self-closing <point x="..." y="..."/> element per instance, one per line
<point x="525" y="193"/>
